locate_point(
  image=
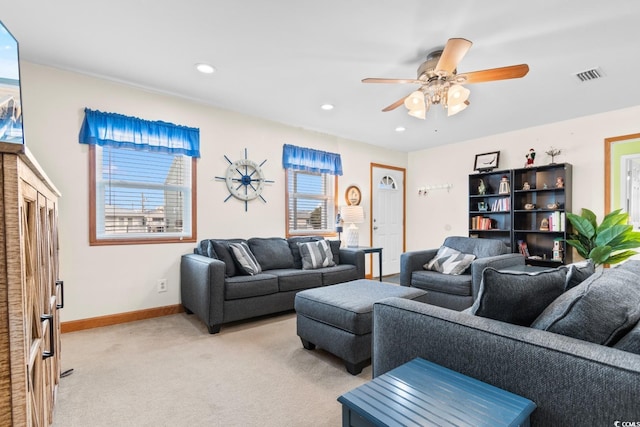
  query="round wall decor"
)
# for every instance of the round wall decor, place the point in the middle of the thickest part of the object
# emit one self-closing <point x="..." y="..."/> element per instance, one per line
<point x="244" y="179"/>
<point x="353" y="195"/>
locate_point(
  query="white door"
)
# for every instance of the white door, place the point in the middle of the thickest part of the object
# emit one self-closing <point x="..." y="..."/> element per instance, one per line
<point x="387" y="219"/>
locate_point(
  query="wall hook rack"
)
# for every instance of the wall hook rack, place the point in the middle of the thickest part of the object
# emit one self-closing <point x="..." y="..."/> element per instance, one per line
<point x="424" y="190"/>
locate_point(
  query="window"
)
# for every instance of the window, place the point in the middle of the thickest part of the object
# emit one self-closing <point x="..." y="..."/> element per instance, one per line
<point x="142" y="180"/>
<point x="311" y="190"/>
<point x="311" y="202"/>
<point x="141" y="196"/>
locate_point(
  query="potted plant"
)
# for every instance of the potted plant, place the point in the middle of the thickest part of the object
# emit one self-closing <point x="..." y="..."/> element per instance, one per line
<point x="608" y="243"/>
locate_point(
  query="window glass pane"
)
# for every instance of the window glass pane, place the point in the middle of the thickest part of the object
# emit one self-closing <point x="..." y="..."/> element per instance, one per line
<point x="311" y="204"/>
<point x="142" y="194"/>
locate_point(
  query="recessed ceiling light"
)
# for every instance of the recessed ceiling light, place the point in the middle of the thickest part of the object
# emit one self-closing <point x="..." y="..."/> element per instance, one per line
<point x="400" y="129"/>
<point x="205" y="68"/>
<point x="327" y="107"/>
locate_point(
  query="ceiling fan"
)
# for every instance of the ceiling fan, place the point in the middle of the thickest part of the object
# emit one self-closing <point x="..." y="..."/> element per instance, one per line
<point x="440" y="82"/>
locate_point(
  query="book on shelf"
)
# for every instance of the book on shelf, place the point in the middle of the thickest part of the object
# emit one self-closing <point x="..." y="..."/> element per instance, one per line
<point x="481" y="223"/>
<point x="556" y="221"/>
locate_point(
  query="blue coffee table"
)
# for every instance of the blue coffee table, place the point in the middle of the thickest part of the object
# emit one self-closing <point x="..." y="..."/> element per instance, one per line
<point x="421" y="393"/>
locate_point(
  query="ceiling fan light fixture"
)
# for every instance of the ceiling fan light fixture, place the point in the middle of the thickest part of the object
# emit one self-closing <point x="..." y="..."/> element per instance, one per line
<point x="415" y="101"/>
<point x="457" y="94"/>
<point x="420" y="113"/>
<point x="456" y="108"/>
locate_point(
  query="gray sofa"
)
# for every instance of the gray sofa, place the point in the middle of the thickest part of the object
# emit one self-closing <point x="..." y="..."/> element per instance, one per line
<point x="455" y="291"/>
<point x="572" y="381"/>
<point x="213" y="286"/>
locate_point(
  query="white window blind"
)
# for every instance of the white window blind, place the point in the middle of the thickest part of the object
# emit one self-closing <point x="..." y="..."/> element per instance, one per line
<point x="310" y="202"/>
<point x="142" y="194"/>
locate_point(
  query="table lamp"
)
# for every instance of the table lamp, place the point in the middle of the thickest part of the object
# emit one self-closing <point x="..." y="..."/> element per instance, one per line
<point x="352" y="215"/>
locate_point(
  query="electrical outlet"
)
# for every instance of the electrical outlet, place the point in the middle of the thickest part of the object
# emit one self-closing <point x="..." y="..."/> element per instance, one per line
<point x="162" y="285"/>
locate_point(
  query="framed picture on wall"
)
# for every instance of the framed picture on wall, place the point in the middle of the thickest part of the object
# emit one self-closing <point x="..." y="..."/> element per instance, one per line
<point x="487" y="161"/>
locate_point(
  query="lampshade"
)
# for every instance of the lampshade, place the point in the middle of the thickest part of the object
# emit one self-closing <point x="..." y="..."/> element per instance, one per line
<point x="455" y="109"/>
<point x="352" y="214"/>
<point x="415" y="101"/>
<point x="457" y="95"/>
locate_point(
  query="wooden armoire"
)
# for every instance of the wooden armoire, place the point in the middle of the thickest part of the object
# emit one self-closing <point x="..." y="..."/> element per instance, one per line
<point x="31" y="293"/>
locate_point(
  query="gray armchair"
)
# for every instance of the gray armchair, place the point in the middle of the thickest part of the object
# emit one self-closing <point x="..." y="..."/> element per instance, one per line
<point x="455" y="292"/>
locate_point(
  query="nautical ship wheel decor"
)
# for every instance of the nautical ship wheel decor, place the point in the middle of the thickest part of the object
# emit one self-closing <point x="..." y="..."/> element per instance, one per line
<point x="244" y="179"/>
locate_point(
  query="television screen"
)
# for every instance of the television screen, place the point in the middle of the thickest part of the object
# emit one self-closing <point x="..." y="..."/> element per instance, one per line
<point x="10" y="105"/>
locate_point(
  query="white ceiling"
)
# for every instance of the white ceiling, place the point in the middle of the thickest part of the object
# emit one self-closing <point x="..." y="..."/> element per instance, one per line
<point x="282" y="59"/>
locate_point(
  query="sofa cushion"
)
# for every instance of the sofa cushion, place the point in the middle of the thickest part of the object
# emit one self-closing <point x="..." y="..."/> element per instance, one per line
<point x="450" y="261"/>
<point x="601" y="309"/>
<point x="221" y="248"/>
<point x="244" y="258"/>
<point x="239" y="287"/>
<point x="578" y="272"/>
<point x="631" y="341"/>
<point x="631" y="265"/>
<point x="335" y="250"/>
<point x="338" y="274"/>
<point x="293" y="245"/>
<point x="481" y="248"/>
<point x="316" y="254"/>
<point x="515" y="297"/>
<point x="271" y="253"/>
<point x="438" y="282"/>
<point x="293" y="279"/>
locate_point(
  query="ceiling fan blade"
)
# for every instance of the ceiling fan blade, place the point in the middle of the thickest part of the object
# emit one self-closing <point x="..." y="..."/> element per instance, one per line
<point x="395" y="105"/>
<point x="453" y="53"/>
<point x="376" y="80"/>
<point x="502" y="73"/>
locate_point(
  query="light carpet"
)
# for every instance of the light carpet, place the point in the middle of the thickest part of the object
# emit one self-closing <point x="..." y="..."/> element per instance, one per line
<point x="169" y="371"/>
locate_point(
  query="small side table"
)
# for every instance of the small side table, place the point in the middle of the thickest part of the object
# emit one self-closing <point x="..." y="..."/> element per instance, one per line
<point x="370" y="250"/>
<point x="421" y="393"/>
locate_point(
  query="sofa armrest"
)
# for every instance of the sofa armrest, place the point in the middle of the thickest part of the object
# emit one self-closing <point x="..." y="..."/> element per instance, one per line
<point x="353" y="257"/>
<point x="202" y="287"/>
<point x="413" y="261"/>
<point x="498" y="262"/>
<point x="568" y="379"/>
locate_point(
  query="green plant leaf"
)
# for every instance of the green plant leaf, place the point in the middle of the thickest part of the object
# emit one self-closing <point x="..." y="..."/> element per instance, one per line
<point x="613" y="218"/>
<point x="613" y="235"/>
<point x="580" y="248"/>
<point x="600" y="254"/>
<point x="581" y="225"/>
<point x="589" y="216"/>
<point x="621" y="256"/>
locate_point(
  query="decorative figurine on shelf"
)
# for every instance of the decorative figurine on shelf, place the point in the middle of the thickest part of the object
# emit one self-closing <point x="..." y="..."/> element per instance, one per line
<point x="559" y="182"/>
<point x="482" y="189"/>
<point x="557" y="250"/>
<point x="545" y="186"/>
<point x="504" y="185"/>
<point x="553" y="152"/>
<point x="531" y="156"/>
<point x="544" y="224"/>
<point x="526" y="186"/>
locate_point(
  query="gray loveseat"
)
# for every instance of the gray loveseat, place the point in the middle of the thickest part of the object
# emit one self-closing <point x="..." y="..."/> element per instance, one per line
<point x="455" y="291"/>
<point x="214" y="287"/>
<point x="572" y="381"/>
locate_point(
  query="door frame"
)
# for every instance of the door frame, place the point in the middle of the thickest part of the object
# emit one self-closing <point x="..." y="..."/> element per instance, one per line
<point x="404" y="207"/>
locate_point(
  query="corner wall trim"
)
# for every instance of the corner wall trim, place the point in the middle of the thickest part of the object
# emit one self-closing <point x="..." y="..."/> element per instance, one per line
<point x="114" y="319"/>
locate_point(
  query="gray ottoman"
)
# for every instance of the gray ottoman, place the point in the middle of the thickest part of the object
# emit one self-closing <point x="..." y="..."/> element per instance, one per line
<point x="338" y="318"/>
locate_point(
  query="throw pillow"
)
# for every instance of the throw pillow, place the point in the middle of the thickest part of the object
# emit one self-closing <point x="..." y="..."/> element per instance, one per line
<point x="631" y="341"/>
<point x="578" y="272"/>
<point x="335" y="250"/>
<point x="221" y="248"/>
<point x="295" y="251"/>
<point x="271" y="253"/>
<point x="450" y="261"/>
<point x="515" y="297"/>
<point x="245" y="259"/>
<point x="601" y="309"/>
<point x="316" y="254"/>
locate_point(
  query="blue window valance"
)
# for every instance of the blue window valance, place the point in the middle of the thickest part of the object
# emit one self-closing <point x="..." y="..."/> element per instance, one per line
<point x="117" y="130"/>
<point x="307" y="159"/>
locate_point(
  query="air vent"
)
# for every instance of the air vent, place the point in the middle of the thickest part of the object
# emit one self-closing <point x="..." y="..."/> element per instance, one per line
<point x="592" y="74"/>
